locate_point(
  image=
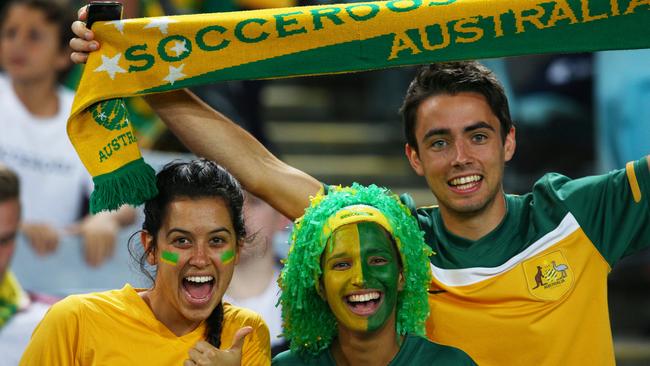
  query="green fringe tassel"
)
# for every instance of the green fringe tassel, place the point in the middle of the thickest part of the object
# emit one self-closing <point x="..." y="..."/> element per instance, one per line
<point x="131" y="184"/>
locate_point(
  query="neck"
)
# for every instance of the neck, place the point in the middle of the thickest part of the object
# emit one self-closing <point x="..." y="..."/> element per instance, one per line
<point x="38" y="96"/>
<point x="252" y="276"/>
<point x="475" y="225"/>
<point x="366" y="348"/>
<point x="166" y="315"/>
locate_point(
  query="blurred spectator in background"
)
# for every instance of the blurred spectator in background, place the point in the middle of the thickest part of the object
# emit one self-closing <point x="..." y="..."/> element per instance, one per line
<point x="19" y="313"/>
<point x="255" y="282"/>
<point x="34" y="54"/>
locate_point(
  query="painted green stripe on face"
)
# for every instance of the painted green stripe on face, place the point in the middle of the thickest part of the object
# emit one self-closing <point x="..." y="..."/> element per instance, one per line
<point x="380" y="265"/>
<point x="169" y="257"/>
<point x="227" y="256"/>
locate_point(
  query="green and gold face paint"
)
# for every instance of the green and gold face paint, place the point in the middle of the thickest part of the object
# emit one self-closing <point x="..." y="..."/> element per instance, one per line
<point x="227" y="256"/>
<point x="169" y="257"/>
<point x="361" y="275"/>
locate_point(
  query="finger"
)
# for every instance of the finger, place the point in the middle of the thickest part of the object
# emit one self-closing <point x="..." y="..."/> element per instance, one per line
<point x="195" y="355"/>
<point x="82" y="45"/>
<point x="52" y="241"/>
<point x="80" y="30"/>
<point x="203" y="346"/>
<point x="78" y="57"/>
<point x="82" y="13"/>
<point x="238" y="339"/>
<point x="189" y="363"/>
<point x="90" y="251"/>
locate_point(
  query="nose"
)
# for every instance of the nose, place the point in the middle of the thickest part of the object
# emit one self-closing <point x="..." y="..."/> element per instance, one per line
<point x="462" y="154"/>
<point x="357" y="276"/>
<point x="199" y="256"/>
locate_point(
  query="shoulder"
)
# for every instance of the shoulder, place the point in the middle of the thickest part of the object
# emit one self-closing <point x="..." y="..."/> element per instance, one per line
<point x="286" y="358"/>
<point x="445" y="355"/>
<point x="289" y="358"/>
<point x="242" y="316"/>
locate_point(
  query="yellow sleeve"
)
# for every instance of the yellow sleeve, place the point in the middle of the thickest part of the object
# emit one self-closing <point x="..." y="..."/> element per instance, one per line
<point x="257" y="345"/>
<point x="56" y="339"/>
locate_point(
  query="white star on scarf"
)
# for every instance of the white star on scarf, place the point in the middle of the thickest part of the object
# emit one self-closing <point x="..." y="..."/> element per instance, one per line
<point x="161" y="23"/>
<point x="119" y="25"/>
<point x="179" y="48"/>
<point x="175" y="74"/>
<point x="110" y="65"/>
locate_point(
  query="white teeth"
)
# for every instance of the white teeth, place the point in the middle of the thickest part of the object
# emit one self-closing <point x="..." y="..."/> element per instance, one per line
<point x="364" y="297"/>
<point x="199" y="279"/>
<point x="462" y="182"/>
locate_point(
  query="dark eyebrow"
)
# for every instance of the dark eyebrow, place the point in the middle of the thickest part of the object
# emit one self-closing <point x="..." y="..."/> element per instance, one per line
<point x="185" y="232"/>
<point x="436" y="131"/>
<point x="479" y="125"/>
<point x="446" y="131"/>
<point x="337" y="256"/>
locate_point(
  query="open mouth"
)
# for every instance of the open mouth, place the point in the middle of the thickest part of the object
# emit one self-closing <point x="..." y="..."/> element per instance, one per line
<point x="365" y="303"/>
<point x="198" y="289"/>
<point x="466" y="183"/>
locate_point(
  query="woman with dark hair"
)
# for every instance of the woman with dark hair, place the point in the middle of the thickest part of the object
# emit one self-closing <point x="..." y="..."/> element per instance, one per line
<point x="191" y="235"/>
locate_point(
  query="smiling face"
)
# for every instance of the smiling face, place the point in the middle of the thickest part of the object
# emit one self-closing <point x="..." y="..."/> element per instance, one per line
<point x="361" y="276"/>
<point x="196" y="253"/>
<point x="460" y="152"/>
<point x="30" y="48"/>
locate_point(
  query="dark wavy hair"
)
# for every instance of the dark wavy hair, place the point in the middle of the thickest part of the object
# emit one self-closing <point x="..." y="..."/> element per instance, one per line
<point x="453" y="78"/>
<point x="199" y="178"/>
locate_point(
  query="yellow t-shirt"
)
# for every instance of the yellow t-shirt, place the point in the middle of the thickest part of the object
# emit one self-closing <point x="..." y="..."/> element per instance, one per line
<point x="118" y="328"/>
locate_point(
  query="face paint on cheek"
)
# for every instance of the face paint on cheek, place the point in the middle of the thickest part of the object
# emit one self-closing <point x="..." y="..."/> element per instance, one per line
<point x="339" y="282"/>
<point x="227" y="256"/>
<point x="380" y="270"/>
<point x="170" y="258"/>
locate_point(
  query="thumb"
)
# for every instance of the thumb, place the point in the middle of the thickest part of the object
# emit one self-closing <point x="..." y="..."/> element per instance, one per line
<point x="238" y="339"/>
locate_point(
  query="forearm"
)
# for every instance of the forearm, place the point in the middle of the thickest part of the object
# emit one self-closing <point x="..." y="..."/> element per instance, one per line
<point x="210" y="134"/>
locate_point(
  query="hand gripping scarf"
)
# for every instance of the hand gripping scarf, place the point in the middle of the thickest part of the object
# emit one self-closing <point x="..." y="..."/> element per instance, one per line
<point x="151" y="55"/>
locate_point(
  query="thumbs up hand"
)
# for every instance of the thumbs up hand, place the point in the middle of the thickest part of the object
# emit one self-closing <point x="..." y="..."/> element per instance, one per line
<point x="205" y="354"/>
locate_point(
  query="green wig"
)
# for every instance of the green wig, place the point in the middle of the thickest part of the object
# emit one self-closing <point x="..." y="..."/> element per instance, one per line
<point x="309" y="324"/>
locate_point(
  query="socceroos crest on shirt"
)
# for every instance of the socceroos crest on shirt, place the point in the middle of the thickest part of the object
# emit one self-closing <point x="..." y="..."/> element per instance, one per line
<point x="549" y="276"/>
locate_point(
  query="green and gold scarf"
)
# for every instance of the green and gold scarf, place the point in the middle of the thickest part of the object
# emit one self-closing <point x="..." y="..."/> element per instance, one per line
<point x="151" y="55"/>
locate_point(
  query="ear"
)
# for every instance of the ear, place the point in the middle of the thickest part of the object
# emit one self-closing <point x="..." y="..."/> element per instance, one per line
<point x="510" y="144"/>
<point x="147" y="241"/>
<point x="414" y="159"/>
<point x="400" y="282"/>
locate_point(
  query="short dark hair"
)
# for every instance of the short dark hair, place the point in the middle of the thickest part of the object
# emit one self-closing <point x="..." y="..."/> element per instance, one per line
<point x="198" y="178"/>
<point x="9" y="184"/>
<point x="56" y="12"/>
<point x="453" y="78"/>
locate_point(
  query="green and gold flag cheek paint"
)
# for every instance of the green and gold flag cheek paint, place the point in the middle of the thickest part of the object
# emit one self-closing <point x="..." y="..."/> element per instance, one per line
<point x="168" y="257"/>
<point x="380" y="270"/>
<point x="342" y="274"/>
<point x="362" y="293"/>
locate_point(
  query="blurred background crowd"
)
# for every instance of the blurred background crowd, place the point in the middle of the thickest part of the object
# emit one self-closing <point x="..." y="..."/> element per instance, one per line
<point x="576" y="114"/>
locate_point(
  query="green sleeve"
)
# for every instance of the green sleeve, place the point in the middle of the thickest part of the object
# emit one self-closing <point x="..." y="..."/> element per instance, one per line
<point x="612" y="209"/>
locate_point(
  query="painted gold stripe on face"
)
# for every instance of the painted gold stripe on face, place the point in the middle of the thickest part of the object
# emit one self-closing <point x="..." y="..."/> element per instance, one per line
<point x="634" y="183"/>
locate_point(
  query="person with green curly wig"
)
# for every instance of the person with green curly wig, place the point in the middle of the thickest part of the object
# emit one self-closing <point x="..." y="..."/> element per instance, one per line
<point x="354" y="285"/>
